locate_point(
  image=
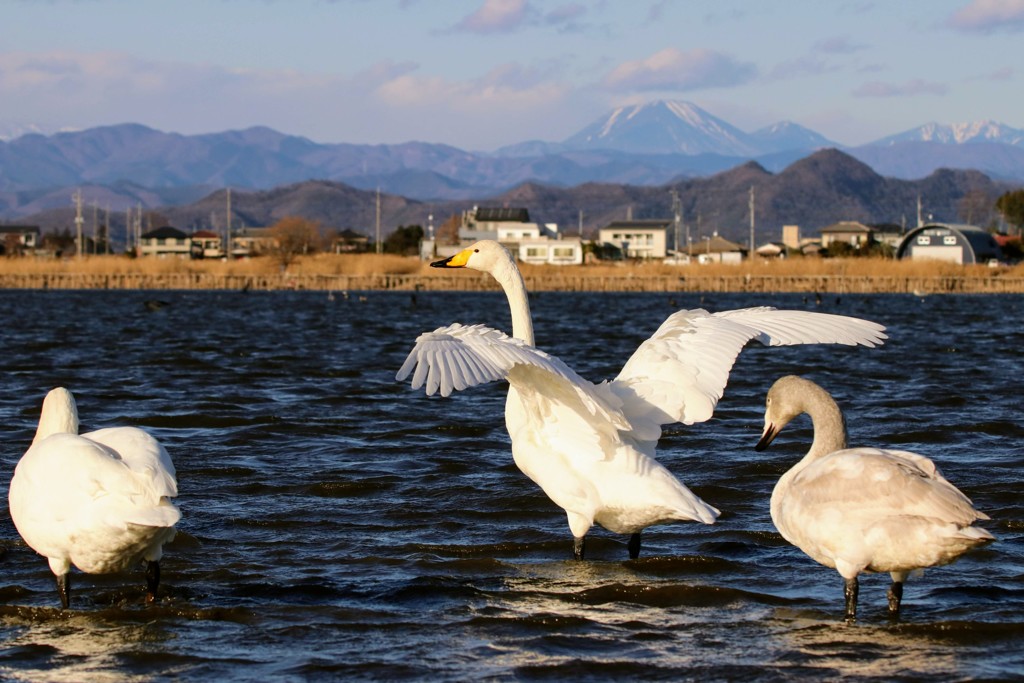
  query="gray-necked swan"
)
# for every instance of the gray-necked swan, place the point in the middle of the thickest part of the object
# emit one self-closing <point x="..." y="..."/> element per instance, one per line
<point x="98" y="501"/>
<point x="863" y="509"/>
<point x="590" y="447"/>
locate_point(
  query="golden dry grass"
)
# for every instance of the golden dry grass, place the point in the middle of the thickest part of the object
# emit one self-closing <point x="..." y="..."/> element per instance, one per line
<point x="372" y="264"/>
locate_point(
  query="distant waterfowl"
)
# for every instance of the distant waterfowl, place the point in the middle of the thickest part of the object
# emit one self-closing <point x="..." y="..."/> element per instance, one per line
<point x="155" y="304"/>
<point x="591" y="447"/>
<point x="98" y="501"/>
<point x="863" y="509"/>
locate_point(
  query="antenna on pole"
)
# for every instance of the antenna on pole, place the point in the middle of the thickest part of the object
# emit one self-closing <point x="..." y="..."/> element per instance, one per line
<point x="77" y="196"/>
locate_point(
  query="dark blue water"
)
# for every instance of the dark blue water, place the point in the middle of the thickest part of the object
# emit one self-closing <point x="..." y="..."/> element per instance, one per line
<point x="338" y="524"/>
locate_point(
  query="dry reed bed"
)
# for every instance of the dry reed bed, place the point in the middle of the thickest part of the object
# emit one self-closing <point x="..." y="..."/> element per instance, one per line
<point x="372" y="272"/>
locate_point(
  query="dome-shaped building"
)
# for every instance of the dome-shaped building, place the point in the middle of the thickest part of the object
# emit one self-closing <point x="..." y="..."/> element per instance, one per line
<point x="949" y="242"/>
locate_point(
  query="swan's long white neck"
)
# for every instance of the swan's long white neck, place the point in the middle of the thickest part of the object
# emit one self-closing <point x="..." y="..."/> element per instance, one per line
<point x="511" y="281"/>
<point x="829" y="434"/>
<point x="59" y="415"/>
<point x="829" y="425"/>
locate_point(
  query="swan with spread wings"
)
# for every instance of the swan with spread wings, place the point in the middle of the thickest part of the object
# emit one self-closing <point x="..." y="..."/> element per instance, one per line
<point x="590" y="447"/>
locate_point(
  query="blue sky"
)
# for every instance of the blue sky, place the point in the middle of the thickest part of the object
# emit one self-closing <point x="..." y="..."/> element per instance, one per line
<point x="479" y="74"/>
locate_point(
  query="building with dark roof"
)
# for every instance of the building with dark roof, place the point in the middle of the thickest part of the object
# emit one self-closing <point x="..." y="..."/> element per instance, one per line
<point x="20" y="239"/>
<point x="164" y="241"/>
<point x="949" y="242"/>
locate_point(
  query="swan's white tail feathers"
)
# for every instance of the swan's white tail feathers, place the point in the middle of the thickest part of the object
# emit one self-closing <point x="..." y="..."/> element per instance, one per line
<point x="163" y="515"/>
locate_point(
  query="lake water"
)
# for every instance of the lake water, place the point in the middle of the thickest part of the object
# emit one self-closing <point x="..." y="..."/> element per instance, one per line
<point x="339" y="525"/>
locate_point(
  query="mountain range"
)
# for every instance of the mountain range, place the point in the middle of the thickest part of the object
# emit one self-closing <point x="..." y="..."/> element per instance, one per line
<point x="644" y="147"/>
<point x="820" y="189"/>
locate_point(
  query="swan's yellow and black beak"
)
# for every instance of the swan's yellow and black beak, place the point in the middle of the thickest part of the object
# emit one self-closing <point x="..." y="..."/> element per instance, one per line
<point x="457" y="261"/>
<point x="770" y="432"/>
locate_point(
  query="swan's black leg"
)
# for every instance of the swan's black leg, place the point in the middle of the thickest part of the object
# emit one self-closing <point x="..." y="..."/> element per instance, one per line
<point x="895" y="597"/>
<point x="578" y="544"/>
<point x="152" y="579"/>
<point x="634" y="546"/>
<point x="64" y="589"/>
<point x="850" y="592"/>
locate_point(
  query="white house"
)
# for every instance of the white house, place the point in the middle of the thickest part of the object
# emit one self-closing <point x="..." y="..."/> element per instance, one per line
<point x="563" y="252"/>
<point x="637" y="239"/>
<point x="528" y="241"/>
<point x="164" y="242"/>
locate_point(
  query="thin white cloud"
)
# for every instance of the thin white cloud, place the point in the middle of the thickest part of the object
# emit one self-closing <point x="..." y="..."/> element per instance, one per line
<point x="387" y="102"/>
<point x="567" y="18"/>
<point x="808" y="65"/>
<point x="908" y="89"/>
<point x="673" y="69"/>
<point x="1002" y="74"/>
<point x="988" y="16"/>
<point x="838" y="45"/>
<point x="497" y="16"/>
<point x="508" y="85"/>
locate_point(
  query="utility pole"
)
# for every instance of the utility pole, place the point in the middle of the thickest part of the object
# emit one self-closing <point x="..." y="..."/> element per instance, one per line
<point x="95" y="225"/>
<point x="677" y="213"/>
<point x="227" y="228"/>
<point x="106" y="230"/>
<point x="77" y="196"/>
<point x="752" y="221"/>
<point x="379" y="245"/>
<point x="127" y="229"/>
<point x="920" y="222"/>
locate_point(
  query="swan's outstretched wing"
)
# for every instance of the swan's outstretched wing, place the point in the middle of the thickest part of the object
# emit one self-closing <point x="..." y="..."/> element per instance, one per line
<point x="679" y="374"/>
<point x="462" y="356"/>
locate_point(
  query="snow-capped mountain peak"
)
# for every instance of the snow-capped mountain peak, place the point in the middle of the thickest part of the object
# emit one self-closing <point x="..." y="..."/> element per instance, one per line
<point x="958" y="134"/>
<point x="663" y="127"/>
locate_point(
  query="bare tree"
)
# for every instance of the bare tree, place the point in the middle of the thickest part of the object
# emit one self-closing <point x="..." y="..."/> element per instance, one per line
<point x="294" y="236"/>
<point x="448" y="232"/>
<point x="975" y="208"/>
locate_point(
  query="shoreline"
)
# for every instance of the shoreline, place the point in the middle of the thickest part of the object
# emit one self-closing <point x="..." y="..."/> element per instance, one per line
<point x="689" y="282"/>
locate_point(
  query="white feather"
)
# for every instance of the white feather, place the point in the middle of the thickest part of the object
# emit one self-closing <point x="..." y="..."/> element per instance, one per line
<point x="590" y="447"/>
<point x="98" y="501"/>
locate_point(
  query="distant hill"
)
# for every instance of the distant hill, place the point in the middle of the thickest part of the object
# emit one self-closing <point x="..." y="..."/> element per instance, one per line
<point x="645" y="145"/>
<point x="813" y="192"/>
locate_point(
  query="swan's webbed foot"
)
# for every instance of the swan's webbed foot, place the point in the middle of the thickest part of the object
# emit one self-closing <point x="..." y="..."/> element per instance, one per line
<point x="578" y="544"/>
<point x="64" y="589"/>
<point x="152" y="579"/>
<point x="634" y="546"/>
<point x="895" y="597"/>
<point x="850" y="592"/>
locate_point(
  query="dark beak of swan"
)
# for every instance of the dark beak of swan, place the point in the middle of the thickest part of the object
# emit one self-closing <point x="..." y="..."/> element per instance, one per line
<point x="443" y="263"/>
<point x="770" y="432"/>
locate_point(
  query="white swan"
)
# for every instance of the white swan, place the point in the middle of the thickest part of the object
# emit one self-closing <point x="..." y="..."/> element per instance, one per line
<point x="98" y="501"/>
<point x="863" y="509"/>
<point x="591" y="447"/>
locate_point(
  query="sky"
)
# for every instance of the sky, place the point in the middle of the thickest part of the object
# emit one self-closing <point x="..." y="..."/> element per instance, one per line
<point x="481" y="74"/>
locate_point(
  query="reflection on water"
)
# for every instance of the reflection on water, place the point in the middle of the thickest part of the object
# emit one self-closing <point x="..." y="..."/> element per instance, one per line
<point x="337" y="524"/>
<point x="79" y="647"/>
